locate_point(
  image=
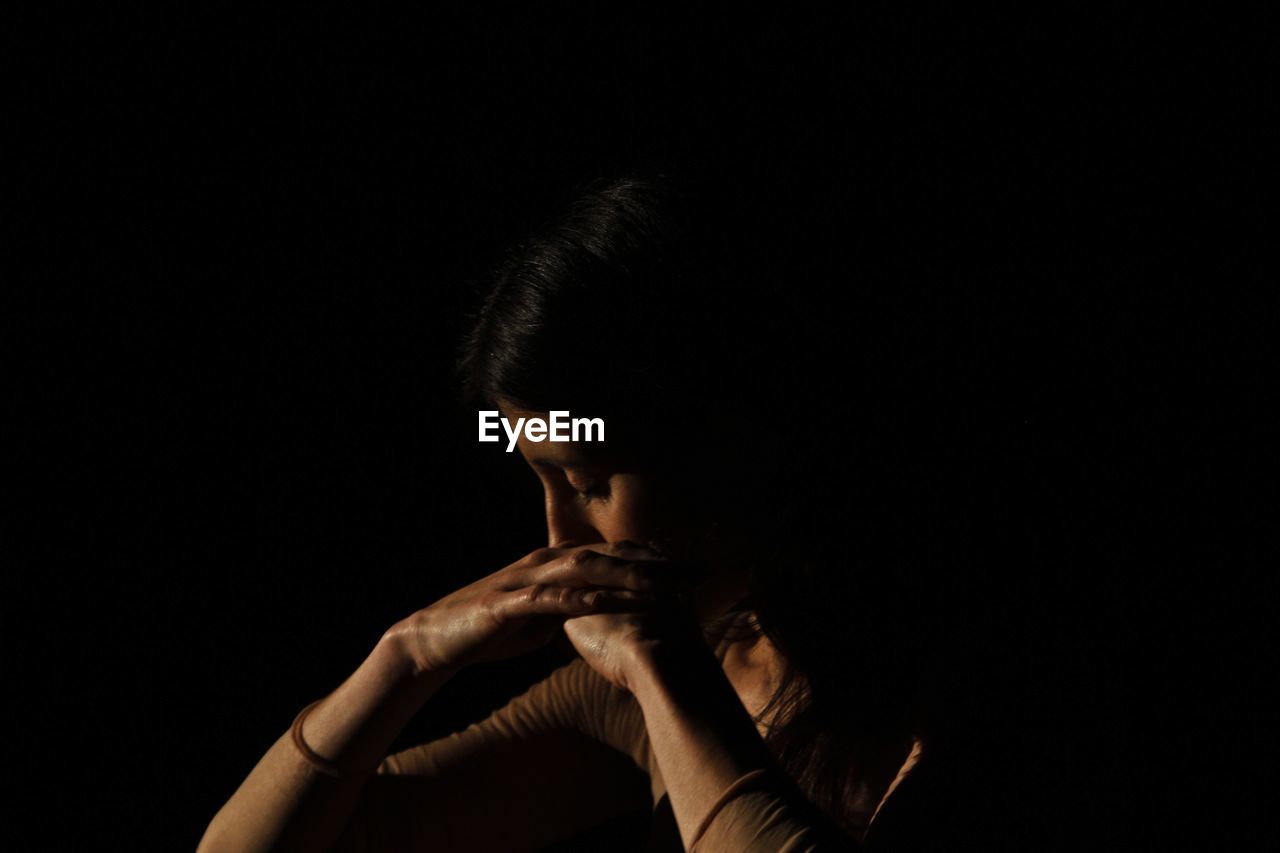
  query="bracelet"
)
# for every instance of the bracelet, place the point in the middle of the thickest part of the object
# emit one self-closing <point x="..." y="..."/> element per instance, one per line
<point x="324" y="765"/>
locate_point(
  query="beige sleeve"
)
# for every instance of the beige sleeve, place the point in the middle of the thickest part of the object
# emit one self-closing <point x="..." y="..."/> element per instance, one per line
<point x="558" y="759"/>
<point x="761" y="812"/>
<point x="758" y="812"/>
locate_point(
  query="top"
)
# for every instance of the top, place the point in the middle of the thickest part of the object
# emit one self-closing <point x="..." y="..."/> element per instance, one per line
<point x="569" y="753"/>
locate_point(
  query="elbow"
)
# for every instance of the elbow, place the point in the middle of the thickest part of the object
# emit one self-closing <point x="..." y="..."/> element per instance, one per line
<point x="223" y="837"/>
<point x="212" y="841"/>
<point x="220" y="838"/>
<point x="217" y="838"/>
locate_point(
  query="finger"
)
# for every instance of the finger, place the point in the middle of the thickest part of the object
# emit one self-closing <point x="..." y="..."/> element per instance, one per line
<point x="542" y="599"/>
<point x="539" y="556"/>
<point x="649" y="552"/>
<point x="622" y="601"/>
<point x="589" y="567"/>
<point x="631" y="549"/>
<point x="548" y="553"/>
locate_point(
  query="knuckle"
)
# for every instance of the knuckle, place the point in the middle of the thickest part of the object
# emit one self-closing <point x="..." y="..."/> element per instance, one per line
<point x="491" y="607"/>
<point x="541" y="555"/>
<point x="581" y="559"/>
<point x="530" y="594"/>
<point x="639" y="579"/>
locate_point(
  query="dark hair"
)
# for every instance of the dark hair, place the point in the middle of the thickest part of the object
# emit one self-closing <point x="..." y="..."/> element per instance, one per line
<point x="628" y="307"/>
<point x="670" y="302"/>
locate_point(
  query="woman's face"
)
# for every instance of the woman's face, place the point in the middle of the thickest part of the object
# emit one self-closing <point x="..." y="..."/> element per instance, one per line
<point x="594" y="494"/>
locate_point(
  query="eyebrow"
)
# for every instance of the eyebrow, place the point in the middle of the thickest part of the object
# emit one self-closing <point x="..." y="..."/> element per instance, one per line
<point x="576" y="463"/>
<point x="551" y="463"/>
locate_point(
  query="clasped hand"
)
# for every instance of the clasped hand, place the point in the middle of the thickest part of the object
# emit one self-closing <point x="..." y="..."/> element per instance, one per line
<point x="612" y="600"/>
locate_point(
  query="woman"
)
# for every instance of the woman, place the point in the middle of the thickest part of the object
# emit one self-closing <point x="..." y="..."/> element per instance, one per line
<point x="734" y="565"/>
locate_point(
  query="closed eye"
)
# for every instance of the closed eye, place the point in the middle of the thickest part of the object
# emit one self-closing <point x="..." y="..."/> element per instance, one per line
<point x="590" y="487"/>
<point x="591" y="491"/>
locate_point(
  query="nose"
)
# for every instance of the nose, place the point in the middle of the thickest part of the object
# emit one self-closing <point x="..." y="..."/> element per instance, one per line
<point x="566" y="522"/>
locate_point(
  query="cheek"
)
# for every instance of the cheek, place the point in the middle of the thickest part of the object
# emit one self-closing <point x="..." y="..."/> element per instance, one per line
<point x="626" y="516"/>
<point x="669" y="518"/>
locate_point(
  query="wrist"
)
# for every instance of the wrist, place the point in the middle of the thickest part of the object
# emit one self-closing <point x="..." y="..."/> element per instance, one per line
<point x="652" y="663"/>
<point x="403" y="643"/>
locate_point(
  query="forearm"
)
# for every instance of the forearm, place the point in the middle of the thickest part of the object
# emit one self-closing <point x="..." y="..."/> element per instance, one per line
<point x="702" y="737"/>
<point x="287" y="804"/>
<point x="726" y="790"/>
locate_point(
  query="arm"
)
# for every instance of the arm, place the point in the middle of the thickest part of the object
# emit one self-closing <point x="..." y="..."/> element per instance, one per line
<point x="553" y="761"/>
<point x="725" y="788"/>
<point x="287" y="804"/>
<point x="561" y="757"/>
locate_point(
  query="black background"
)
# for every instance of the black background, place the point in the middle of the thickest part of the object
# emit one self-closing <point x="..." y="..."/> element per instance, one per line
<point x="251" y="249"/>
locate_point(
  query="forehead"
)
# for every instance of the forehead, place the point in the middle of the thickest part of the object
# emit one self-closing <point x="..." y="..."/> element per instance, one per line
<point x="562" y="454"/>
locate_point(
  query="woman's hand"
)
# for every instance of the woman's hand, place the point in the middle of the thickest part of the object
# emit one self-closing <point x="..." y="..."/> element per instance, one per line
<point x="519" y="608"/>
<point x="615" y="641"/>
